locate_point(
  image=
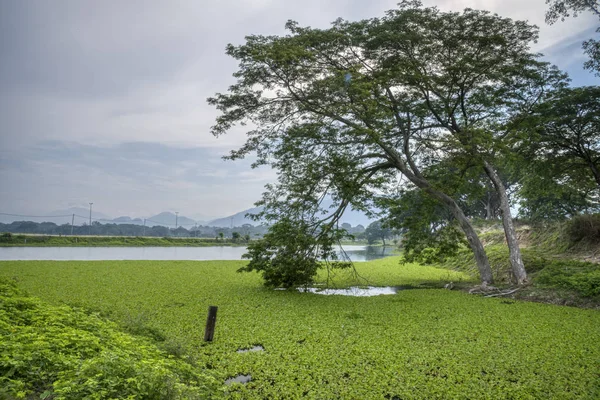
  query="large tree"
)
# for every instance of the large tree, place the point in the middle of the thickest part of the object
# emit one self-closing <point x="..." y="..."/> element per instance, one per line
<point x="344" y="111"/>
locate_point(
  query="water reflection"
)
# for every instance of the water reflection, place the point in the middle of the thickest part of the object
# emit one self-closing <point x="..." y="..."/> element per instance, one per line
<point x="356" y="291"/>
<point x="239" y="379"/>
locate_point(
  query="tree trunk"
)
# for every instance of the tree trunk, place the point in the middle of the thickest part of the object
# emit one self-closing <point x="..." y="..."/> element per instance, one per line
<point x="483" y="264"/>
<point x="516" y="261"/>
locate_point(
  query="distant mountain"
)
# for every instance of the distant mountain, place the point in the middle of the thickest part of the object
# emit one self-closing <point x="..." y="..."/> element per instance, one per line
<point x="168" y="219"/>
<point x="238" y="219"/>
<point x="351" y="217"/>
<point x="128" y="220"/>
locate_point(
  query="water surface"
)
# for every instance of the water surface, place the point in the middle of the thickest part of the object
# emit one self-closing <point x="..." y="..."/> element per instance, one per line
<point x="356" y="253"/>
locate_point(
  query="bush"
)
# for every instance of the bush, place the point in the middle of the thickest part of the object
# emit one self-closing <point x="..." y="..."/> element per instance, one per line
<point x="584" y="228"/>
<point x="290" y="255"/>
<point x="6" y="237"/>
<point x="57" y="353"/>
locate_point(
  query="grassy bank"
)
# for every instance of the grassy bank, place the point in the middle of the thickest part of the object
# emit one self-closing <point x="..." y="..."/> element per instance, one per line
<point x="561" y="270"/>
<point x="417" y="344"/>
<point x="111" y="241"/>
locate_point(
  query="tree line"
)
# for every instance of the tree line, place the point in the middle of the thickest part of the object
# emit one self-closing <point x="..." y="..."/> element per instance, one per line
<point x="49" y="228"/>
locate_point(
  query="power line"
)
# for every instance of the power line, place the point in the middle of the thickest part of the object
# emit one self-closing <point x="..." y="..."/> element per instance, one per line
<point x="87" y="218"/>
<point x="36" y="216"/>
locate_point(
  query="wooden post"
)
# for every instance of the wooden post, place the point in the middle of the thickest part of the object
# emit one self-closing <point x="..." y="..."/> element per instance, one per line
<point x="211" y="321"/>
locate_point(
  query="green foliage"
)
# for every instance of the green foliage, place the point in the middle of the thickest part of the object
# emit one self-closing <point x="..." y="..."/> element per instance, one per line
<point x="56" y="352"/>
<point x="289" y="254"/>
<point x="582" y="277"/>
<point x="6" y="237"/>
<point x="584" y="228"/>
<point x="434" y="247"/>
<point x="417" y="344"/>
<point x="429" y="232"/>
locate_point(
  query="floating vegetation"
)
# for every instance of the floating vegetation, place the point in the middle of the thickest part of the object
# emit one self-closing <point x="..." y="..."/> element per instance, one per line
<point x="416" y="344"/>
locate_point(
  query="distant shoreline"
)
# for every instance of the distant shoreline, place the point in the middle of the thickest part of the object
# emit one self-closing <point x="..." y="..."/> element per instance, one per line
<point x="36" y="240"/>
<point x="112" y="241"/>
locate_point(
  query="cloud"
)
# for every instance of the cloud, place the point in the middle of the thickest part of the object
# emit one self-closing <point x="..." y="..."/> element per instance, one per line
<point x="107" y="99"/>
<point x="151" y="176"/>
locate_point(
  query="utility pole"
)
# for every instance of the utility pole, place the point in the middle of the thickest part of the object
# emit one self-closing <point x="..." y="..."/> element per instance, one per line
<point x="231" y="222"/>
<point x="72" y="221"/>
<point x="90" y="230"/>
<point x="144" y="228"/>
<point x="176" y="215"/>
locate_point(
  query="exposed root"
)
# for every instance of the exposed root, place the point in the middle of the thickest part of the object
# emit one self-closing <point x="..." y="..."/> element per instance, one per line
<point x="483" y="289"/>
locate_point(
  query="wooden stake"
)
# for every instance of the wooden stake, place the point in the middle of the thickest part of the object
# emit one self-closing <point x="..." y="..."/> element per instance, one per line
<point x="211" y="321"/>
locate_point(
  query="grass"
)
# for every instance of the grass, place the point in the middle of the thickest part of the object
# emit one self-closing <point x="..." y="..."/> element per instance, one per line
<point x="116" y="241"/>
<point x="557" y="266"/>
<point x="417" y="344"/>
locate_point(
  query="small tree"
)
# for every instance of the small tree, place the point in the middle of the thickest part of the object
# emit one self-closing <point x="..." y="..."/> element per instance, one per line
<point x="289" y="254"/>
<point x="377" y="231"/>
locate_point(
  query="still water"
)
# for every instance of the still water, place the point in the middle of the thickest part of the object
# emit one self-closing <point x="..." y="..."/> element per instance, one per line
<point x="356" y="253"/>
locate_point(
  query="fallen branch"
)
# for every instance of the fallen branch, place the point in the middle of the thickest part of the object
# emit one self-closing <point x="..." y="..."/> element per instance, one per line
<point x="503" y="293"/>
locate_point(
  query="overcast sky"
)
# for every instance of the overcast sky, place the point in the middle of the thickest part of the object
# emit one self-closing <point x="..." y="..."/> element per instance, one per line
<point x="105" y="101"/>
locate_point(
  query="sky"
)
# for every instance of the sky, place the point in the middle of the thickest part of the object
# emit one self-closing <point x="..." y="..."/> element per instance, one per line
<point x="105" y="101"/>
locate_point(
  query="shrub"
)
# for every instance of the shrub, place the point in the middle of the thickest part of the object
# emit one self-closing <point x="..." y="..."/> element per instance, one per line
<point x="582" y="277"/>
<point x="585" y="228"/>
<point x="6" y="237"/>
<point x="290" y="255"/>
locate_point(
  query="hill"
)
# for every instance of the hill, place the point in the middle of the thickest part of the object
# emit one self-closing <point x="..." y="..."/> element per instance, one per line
<point x="169" y="219"/>
<point x="352" y="217"/>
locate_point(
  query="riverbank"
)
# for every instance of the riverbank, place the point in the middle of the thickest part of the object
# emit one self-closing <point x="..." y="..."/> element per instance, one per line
<point x="112" y="241"/>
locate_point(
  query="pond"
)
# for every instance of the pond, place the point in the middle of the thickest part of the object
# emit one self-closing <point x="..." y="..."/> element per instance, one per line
<point x="356" y="253"/>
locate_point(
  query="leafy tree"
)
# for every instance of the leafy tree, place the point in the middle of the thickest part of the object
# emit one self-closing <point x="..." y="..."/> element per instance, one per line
<point x="429" y="233"/>
<point x="377" y="231"/>
<point x="549" y="190"/>
<point x="235" y="236"/>
<point x="346" y="110"/>
<point x="561" y="9"/>
<point x="289" y="254"/>
<point x="569" y="128"/>
<point x="560" y="142"/>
